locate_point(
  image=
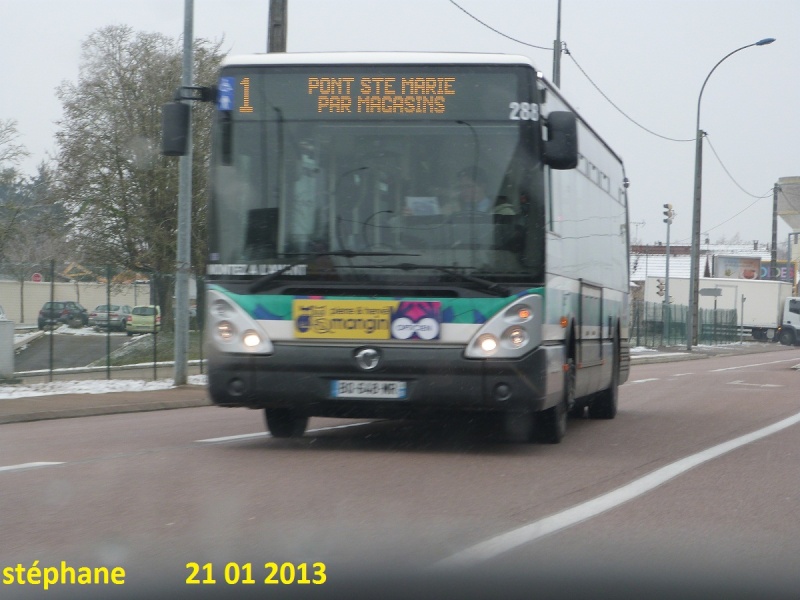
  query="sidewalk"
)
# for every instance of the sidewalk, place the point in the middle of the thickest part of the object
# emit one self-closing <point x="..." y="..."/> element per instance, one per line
<point x="643" y="356"/>
<point x="58" y="406"/>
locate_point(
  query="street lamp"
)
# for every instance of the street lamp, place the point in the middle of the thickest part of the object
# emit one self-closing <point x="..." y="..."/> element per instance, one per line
<point x="666" y="309"/>
<point x="694" y="278"/>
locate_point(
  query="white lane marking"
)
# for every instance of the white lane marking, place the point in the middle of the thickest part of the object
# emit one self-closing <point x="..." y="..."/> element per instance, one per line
<point x="526" y="534"/>
<point x="246" y="436"/>
<point x="761" y="385"/>
<point x="31" y="465"/>
<point x="644" y="380"/>
<point x="774" y="362"/>
<point x="341" y="426"/>
<point x="232" y="438"/>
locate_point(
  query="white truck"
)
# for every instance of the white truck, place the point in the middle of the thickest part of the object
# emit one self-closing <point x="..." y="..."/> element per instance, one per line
<point x="789" y="333"/>
<point x="759" y="303"/>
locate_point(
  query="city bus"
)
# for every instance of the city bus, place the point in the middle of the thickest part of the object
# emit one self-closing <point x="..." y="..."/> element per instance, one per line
<point x="412" y="235"/>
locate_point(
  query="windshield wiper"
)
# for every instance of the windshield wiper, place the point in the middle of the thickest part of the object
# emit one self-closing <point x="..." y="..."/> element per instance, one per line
<point x="259" y="283"/>
<point x="489" y="286"/>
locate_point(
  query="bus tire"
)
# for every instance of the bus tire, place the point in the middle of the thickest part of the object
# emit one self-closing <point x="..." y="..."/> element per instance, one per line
<point x="551" y="424"/>
<point x="519" y="426"/>
<point x="604" y="403"/>
<point x="285" y="423"/>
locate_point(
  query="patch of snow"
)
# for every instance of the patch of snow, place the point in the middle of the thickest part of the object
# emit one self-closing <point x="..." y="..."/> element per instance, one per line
<point x="92" y="386"/>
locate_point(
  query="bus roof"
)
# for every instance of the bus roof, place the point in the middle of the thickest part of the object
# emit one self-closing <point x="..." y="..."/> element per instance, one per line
<point x="372" y="58"/>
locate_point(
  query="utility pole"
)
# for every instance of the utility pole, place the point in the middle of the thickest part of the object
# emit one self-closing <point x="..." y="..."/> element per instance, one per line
<point x="184" y="255"/>
<point x="276" y="28"/>
<point x="557" y="50"/>
<point x="694" y="277"/>
<point x="773" y="267"/>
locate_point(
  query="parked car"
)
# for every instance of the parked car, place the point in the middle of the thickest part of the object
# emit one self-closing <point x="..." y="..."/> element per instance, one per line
<point x="64" y="312"/>
<point x="144" y="319"/>
<point x="113" y="316"/>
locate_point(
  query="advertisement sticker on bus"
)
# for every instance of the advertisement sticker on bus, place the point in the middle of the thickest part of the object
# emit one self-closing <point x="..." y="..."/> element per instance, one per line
<point x="366" y="319"/>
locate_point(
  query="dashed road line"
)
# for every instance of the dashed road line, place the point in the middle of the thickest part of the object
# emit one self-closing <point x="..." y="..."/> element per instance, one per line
<point x="233" y="438"/>
<point x="246" y="436"/>
<point x="760" y="385"/>
<point x="774" y="362"/>
<point x="30" y="465"/>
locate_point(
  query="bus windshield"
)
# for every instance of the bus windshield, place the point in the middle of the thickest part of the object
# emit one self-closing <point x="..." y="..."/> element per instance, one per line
<point x="375" y="178"/>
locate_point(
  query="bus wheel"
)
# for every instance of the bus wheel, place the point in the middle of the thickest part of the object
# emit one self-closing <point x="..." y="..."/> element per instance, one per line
<point x="284" y="422"/>
<point x="551" y="424"/>
<point x="604" y="403"/>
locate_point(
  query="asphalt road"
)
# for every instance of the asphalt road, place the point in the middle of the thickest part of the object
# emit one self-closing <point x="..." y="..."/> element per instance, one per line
<point x="68" y="350"/>
<point x="647" y="505"/>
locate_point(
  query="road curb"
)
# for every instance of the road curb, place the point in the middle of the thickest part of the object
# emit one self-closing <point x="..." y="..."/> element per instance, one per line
<point x="664" y="358"/>
<point x="93" y="411"/>
<point x="64" y="406"/>
<point x="28" y="340"/>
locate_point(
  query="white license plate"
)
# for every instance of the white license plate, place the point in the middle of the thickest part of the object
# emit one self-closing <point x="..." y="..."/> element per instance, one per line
<point x="343" y="388"/>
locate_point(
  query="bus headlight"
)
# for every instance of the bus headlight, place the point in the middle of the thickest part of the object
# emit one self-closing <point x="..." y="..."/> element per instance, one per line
<point x="221" y="308"/>
<point x="231" y="329"/>
<point x="488" y="344"/>
<point x="226" y="330"/>
<point x="251" y="339"/>
<point x="516" y="337"/>
<point x="511" y="333"/>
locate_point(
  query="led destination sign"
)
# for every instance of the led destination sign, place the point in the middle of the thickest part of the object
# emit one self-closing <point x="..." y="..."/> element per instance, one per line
<point x="357" y="92"/>
<point x="381" y="94"/>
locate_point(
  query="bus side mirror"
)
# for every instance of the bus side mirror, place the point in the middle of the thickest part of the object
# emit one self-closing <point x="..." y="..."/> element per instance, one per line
<point x="174" y="128"/>
<point x="561" y="147"/>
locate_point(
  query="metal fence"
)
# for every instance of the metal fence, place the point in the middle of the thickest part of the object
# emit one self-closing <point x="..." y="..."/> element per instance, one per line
<point x="655" y="324"/>
<point x="652" y="324"/>
<point x="93" y="287"/>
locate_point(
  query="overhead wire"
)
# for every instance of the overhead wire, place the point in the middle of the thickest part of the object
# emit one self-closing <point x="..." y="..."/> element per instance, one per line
<point x="728" y="173"/>
<point x="737" y="214"/>
<point x="584" y="73"/>
<point x="622" y="112"/>
<point x="498" y="32"/>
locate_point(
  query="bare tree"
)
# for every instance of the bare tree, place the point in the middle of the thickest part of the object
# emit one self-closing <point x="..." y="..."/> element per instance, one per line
<point x="38" y="234"/>
<point x="11" y="182"/>
<point x="121" y="193"/>
<point x="11" y="152"/>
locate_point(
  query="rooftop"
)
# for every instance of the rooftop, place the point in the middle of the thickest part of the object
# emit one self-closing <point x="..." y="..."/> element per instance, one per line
<point x="651" y="260"/>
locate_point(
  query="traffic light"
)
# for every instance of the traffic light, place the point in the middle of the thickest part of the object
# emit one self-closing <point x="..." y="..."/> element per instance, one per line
<point x="669" y="213"/>
<point x="660" y="286"/>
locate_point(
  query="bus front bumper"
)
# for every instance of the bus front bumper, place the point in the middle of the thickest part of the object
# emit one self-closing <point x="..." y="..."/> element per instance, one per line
<point x="305" y="378"/>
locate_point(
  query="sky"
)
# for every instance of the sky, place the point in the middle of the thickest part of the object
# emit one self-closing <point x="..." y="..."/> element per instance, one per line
<point x="634" y="71"/>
